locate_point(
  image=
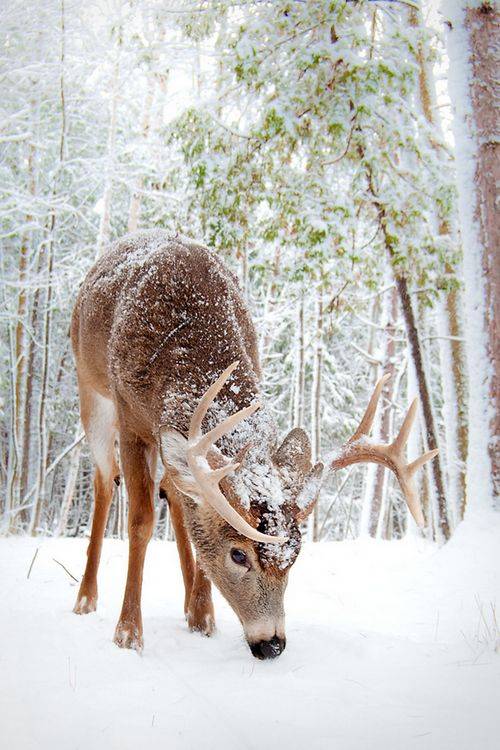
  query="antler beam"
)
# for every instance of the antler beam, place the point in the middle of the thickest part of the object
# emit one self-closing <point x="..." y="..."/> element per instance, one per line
<point x="360" y="449"/>
<point x="208" y="479"/>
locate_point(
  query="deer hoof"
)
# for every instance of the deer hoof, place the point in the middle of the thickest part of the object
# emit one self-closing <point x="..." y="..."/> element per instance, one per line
<point x="85" y="604"/>
<point x="201" y="623"/>
<point x="128" y="635"/>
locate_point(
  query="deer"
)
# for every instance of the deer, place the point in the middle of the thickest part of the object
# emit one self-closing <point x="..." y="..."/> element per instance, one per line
<point x="170" y="397"/>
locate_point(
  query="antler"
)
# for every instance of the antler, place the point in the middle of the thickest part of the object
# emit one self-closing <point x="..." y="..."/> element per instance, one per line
<point x="359" y="448"/>
<point x="208" y="479"/>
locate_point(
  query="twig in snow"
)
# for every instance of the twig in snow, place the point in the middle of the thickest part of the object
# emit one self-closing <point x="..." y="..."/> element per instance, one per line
<point x="65" y="568"/>
<point x="491" y="633"/>
<point x="32" y="562"/>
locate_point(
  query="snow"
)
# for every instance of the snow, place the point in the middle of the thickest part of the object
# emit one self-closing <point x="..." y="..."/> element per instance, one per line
<point x="390" y="645"/>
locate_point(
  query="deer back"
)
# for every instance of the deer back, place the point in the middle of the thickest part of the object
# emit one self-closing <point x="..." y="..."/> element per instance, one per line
<point x="156" y="320"/>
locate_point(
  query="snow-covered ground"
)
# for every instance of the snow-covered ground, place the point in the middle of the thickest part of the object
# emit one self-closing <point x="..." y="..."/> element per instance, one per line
<point x="390" y="645"/>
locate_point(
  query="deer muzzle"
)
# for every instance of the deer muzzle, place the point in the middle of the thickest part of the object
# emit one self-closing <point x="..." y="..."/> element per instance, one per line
<point x="266" y="637"/>
<point x="268" y="649"/>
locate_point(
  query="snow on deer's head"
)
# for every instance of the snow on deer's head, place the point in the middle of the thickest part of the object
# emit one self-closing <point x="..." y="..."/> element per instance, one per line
<point x="244" y="514"/>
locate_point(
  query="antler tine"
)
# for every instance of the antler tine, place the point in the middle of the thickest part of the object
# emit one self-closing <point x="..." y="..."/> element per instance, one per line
<point x="410" y="493"/>
<point x="404" y="433"/>
<point x="223" y="427"/>
<point x="415" y="465"/>
<point x="366" y="423"/>
<point x="217" y="474"/>
<point x="207" y="398"/>
<point x="391" y="456"/>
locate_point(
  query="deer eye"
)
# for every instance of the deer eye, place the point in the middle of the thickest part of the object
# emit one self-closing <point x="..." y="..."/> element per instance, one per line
<point x="239" y="557"/>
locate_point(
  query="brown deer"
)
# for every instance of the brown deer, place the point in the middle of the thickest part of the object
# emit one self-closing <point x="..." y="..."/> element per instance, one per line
<point x="167" y="368"/>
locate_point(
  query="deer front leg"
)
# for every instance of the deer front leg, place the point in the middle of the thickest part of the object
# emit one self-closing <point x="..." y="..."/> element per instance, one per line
<point x="200" y="615"/>
<point x="140" y="487"/>
<point x="198" y="606"/>
<point x="186" y="559"/>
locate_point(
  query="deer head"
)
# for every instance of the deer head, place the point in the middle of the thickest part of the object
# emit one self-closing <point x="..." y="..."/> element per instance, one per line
<point x="245" y="513"/>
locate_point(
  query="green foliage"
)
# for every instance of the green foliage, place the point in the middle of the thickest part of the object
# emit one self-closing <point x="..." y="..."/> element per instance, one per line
<point x="319" y="100"/>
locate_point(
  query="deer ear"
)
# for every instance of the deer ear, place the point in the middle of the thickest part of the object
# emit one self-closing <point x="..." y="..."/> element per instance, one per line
<point x="304" y="481"/>
<point x="173" y="452"/>
<point x="294" y="452"/>
<point x="308" y="495"/>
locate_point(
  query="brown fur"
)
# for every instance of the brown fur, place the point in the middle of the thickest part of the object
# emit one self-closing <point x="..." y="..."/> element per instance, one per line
<point x="155" y="322"/>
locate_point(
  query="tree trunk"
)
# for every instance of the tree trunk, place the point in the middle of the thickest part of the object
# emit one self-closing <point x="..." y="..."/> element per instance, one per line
<point x="416" y="353"/>
<point x="29" y="397"/>
<point x="483" y="28"/>
<point x="473" y="49"/>
<point x="270" y="302"/>
<point x="41" y="425"/>
<point x="456" y="347"/>
<point x="19" y="359"/>
<point x="12" y="498"/>
<point x="316" y="401"/>
<point x="20" y="347"/>
<point x="386" y="408"/>
<point x="135" y="202"/>
<point x="242" y="255"/>
<point x="370" y="469"/>
<point x="459" y="370"/>
<point x="69" y="489"/>
<point x="300" y="377"/>
<point x="425" y="400"/>
<point x="105" y="223"/>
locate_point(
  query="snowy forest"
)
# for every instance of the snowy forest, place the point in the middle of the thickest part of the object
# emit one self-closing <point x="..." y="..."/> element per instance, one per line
<point x="324" y="150"/>
<point x="341" y="157"/>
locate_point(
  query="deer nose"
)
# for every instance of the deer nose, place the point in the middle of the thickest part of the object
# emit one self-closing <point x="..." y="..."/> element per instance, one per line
<point x="268" y="649"/>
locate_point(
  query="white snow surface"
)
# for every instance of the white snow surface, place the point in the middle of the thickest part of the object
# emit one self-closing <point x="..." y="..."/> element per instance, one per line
<point x="390" y="645"/>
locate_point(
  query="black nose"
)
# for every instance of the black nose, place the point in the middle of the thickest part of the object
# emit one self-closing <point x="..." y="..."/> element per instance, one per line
<point x="268" y="649"/>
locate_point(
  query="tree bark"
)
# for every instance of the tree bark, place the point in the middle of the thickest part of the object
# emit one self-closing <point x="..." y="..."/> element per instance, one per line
<point x="370" y="469"/>
<point x="316" y="400"/>
<point x="459" y="371"/>
<point x="19" y="358"/>
<point x="300" y="377"/>
<point x="69" y="489"/>
<point x="385" y="422"/>
<point x="483" y="27"/>
<point x="105" y="223"/>
<point x="425" y="400"/>
<point x="135" y="201"/>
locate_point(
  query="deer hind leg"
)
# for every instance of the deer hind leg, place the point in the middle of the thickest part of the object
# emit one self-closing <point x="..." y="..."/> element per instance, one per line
<point x="99" y="421"/>
<point x="198" y="606"/>
<point x="140" y="490"/>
